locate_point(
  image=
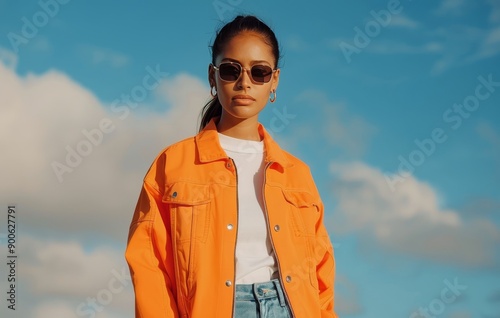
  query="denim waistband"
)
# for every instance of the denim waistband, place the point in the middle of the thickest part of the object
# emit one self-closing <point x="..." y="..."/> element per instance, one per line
<point x="259" y="291"/>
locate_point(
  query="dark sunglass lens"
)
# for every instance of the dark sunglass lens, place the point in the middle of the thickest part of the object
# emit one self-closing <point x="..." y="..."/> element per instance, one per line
<point x="229" y="72"/>
<point x="261" y="73"/>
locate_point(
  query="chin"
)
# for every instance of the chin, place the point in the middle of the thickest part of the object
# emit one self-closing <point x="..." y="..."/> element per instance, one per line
<point x="242" y="114"/>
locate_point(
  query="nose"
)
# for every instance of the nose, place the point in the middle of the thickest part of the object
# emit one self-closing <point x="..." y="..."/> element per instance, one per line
<point x="244" y="80"/>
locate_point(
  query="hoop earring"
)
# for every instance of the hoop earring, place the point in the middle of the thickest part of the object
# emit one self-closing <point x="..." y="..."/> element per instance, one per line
<point x="272" y="98"/>
<point x="213" y="91"/>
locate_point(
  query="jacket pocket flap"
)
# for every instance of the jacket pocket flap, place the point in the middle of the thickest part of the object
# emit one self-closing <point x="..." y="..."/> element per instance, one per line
<point x="186" y="193"/>
<point x="301" y="199"/>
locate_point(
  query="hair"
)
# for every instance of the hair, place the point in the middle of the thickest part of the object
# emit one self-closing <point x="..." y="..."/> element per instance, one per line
<point x="240" y="24"/>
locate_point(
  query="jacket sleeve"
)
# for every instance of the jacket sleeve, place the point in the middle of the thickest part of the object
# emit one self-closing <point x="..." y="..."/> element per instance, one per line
<point x="153" y="278"/>
<point x="325" y="268"/>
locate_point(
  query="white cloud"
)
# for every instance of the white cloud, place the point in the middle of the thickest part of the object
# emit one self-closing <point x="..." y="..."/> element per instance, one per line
<point x="443" y="64"/>
<point x="349" y="132"/>
<point x="409" y="220"/>
<point x="54" y="309"/>
<point x="65" y="268"/>
<point x="63" y="309"/>
<point x="347" y="299"/>
<point x="404" y="22"/>
<point x="454" y="7"/>
<point x="489" y="45"/>
<point x="388" y="47"/>
<point x="462" y="45"/>
<point x="62" y="279"/>
<point x="454" y="44"/>
<point x="8" y="58"/>
<point x="487" y="132"/>
<point x="495" y="11"/>
<point x="42" y="115"/>
<point x="461" y="314"/>
<point x="98" y="55"/>
<point x="296" y="43"/>
<point x="482" y="206"/>
<point x="41" y="44"/>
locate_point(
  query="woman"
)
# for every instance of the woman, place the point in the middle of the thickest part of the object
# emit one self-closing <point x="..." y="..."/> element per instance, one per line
<point x="227" y="223"/>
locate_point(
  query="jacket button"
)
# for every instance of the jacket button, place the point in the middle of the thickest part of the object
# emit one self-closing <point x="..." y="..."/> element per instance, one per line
<point x="229" y="226"/>
<point x="228" y="283"/>
<point x="277" y="228"/>
<point x="288" y="279"/>
<point x="228" y="165"/>
<point x="174" y="194"/>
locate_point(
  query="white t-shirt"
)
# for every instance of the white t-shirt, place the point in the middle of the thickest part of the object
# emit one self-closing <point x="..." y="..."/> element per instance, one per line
<point x="255" y="259"/>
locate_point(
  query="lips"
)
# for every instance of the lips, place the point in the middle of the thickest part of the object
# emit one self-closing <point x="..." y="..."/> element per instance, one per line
<point x="244" y="97"/>
<point x="243" y="100"/>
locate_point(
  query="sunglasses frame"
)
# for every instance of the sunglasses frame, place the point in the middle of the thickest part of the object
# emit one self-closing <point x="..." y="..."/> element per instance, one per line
<point x="249" y="71"/>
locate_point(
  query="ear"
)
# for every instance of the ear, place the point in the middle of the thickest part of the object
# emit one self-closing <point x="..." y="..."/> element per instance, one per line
<point x="211" y="75"/>
<point x="275" y="80"/>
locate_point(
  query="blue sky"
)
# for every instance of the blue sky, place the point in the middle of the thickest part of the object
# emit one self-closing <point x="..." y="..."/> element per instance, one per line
<point x="393" y="104"/>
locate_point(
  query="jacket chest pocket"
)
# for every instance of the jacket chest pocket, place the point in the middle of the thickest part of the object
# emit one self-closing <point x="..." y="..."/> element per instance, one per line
<point x="304" y="211"/>
<point x="189" y="205"/>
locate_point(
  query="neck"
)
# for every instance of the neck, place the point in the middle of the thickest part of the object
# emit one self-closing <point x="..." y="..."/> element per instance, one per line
<point x="239" y="128"/>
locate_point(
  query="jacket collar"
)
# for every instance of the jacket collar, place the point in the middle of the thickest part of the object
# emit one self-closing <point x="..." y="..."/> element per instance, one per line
<point x="209" y="149"/>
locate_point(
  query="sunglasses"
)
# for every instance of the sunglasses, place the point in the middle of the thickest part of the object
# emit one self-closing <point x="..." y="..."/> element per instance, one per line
<point x="231" y="71"/>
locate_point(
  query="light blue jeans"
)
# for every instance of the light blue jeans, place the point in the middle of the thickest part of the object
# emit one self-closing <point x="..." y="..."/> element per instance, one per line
<point x="261" y="300"/>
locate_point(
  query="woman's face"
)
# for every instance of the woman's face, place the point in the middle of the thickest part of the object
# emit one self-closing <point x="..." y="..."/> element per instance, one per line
<point x="244" y="98"/>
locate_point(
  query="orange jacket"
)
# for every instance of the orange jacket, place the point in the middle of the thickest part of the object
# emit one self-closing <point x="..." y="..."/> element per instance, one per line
<point x="181" y="243"/>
